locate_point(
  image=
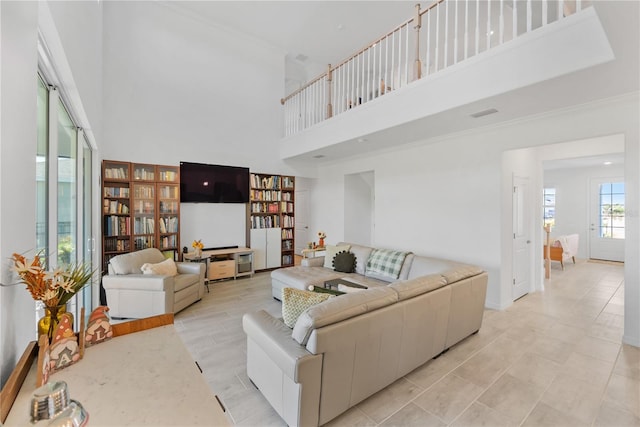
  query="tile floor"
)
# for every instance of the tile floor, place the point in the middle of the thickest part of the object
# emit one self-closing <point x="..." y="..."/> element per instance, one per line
<point x="554" y="358"/>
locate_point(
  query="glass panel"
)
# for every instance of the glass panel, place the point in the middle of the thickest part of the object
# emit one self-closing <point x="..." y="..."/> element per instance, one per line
<point x="67" y="187"/>
<point x="549" y="199"/>
<point x="605" y="188"/>
<point x="617" y="188"/>
<point x="618" y="233"/>
<point x="617" y="199"/>
<point x="87" y="234"/>
<point x="42" y="171"/>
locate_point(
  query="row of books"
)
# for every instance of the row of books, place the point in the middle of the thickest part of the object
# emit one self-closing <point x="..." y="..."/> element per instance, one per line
<point x="122" y="192"/>
<point x="143" y="242"/>
<point x="143" y="174"/>
<point x="143" y="207"/>
<point x="143" y="191"/>
<point x="116" y="173"/>
<point x="287" y="182"/>
<point x="168" y="192"/>
<point x="117" y="226"/>
<point x="268" y="195"/>
<point x="168" y="207"/>
<point x="271" y="221"/>
<point x="286" y="207"/>
<point x="265" y="207"/>
<point x="287" y="234"/>
<point x="267" y="182"/>
<point x="287" y="245"/>
<point x="287" y="259"/>
<point x="117" y="245"/>
<point x="115" y="207"/>
<point x="168" y="224"/>
<point x="144" y="225"/>
<point x="168" y="175"/>
<point x="168" y="242"/>
<point x="288" y="221"/>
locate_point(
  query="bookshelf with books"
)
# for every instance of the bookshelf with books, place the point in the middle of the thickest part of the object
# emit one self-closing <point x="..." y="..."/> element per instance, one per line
<point x="272" y="211"/>
<point x="116" y="208"/>
<point x="141" y="209"/>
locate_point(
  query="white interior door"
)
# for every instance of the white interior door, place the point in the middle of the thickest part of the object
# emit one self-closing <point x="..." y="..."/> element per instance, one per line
<point x="521" y="238"/>
<point x="302" y="220"/>
<point x="607" y="225"/>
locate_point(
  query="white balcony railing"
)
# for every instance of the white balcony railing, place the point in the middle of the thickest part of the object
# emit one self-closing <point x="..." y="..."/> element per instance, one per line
<point x="444" y="34"/>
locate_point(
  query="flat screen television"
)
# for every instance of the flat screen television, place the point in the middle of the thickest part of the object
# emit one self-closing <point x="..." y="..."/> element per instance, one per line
<point x="203" y="183"/>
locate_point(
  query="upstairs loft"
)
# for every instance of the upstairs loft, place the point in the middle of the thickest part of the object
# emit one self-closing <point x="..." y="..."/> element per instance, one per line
<point x="458" y="65"/>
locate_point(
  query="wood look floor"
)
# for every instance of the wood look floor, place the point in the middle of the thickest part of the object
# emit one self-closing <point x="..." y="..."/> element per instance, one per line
<point x="554" y="358"/>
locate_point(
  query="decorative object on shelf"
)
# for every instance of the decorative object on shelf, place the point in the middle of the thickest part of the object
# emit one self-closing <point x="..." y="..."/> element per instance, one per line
<point x="197" y="245"/>
<point x="321" y="236"/>
<point x="53" y="288"/>
<point x="51" y="314"/>
<point x="44" y="369"/>
<point x="99" y="328"/>
<point x="64" y="349"/>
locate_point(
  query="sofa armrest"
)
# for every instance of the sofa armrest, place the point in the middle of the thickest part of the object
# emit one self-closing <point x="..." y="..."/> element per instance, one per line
<point x="145" y="282"/>
<point x="317" y="261"/>
<point x="191" y="268"/>
<point x="274" y="338"/>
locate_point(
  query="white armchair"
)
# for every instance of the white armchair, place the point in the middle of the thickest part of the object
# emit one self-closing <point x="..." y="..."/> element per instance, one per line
<point x="132" y="294"/>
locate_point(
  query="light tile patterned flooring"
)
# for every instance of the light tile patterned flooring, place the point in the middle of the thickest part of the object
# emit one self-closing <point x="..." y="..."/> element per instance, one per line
<point x="554" y="358"/>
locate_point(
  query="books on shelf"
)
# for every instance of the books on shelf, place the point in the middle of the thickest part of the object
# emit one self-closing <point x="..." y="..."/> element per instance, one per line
<point x="144" y="174"/>
<point x="166" y="175"/>
<point x="115" y="207"/>
<point x="143" y="225"/>
<point x="117" y="226"/>
<point x="121" y="192"/>
<point x="116" y="173"/>
<point x="168" y="224"/>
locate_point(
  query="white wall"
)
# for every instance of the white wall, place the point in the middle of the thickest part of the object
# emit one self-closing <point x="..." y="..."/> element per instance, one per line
<point x="73" y="36"/>
<point x="573" y="187"/>
<point x="18" y="42"/>
<point x="179" y="89"/>
<point x="444" y="197"/>
<point x="358" y="210"/>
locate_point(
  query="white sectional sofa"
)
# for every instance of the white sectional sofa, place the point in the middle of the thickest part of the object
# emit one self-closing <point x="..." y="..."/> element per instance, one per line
<point x="347" y="348"/>
<point x="132" y="294"/>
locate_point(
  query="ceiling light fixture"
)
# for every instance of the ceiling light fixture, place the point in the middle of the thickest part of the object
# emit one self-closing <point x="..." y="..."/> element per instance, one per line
<point x="607" y="163"/>
<point x="362" y="139"/>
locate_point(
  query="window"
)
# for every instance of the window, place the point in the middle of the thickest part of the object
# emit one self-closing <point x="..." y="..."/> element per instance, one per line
<point x="612" y="210"/>
<point x="549" y="206"/>
<point x="64" y="185"/>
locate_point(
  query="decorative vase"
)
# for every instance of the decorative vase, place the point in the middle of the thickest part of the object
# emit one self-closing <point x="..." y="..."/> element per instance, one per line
<point x="198" y="253"/>
<point x="48" y="324"/>
<point x="321" y="242"/>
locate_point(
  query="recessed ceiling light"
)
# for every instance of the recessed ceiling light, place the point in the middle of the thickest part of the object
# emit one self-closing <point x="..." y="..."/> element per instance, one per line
<point x="607" y="163"/>
<point x="484" y="113"/>
<point x="362" y="139"/>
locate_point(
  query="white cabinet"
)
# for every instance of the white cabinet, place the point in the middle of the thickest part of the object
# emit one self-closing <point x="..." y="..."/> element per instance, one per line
<point x="267" y="247"/>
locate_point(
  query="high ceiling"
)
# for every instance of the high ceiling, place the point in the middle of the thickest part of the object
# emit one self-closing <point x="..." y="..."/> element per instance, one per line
<point x="313" y="34"/>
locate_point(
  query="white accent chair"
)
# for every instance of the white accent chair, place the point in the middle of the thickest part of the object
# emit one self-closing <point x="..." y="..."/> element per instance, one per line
<point x="132" y="294"/>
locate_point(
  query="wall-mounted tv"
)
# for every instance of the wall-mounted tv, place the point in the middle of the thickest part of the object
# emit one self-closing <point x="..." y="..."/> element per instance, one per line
<point x="203" y="183"/>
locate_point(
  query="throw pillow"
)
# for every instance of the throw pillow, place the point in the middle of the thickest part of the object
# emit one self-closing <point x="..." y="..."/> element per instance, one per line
<point x="164" y="268"/>
<point x="296" y="301"/>
<point x="344" y="262"/>
<point x="331" y="251"/>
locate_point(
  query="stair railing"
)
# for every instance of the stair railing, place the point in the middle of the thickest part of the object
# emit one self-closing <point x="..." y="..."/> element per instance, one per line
<point x="435" y="38"/>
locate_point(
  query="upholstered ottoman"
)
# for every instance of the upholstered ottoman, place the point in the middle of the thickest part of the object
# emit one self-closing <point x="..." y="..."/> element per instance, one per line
<point x="300" y="277"/>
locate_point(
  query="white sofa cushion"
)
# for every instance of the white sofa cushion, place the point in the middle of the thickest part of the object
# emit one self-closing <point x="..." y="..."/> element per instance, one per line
<point x="164" y="268"/>
<point x="343" y="307"/>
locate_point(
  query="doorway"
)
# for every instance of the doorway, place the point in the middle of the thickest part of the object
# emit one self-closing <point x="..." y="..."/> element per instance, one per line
<point x="302" y="220"/>
<point x="359" y="202"/>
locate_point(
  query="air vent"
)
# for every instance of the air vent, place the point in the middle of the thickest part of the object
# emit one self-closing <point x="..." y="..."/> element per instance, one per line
<point x="484" y="113"/>
<point x="319" y="156"/>
<point x="301" y="57"/>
